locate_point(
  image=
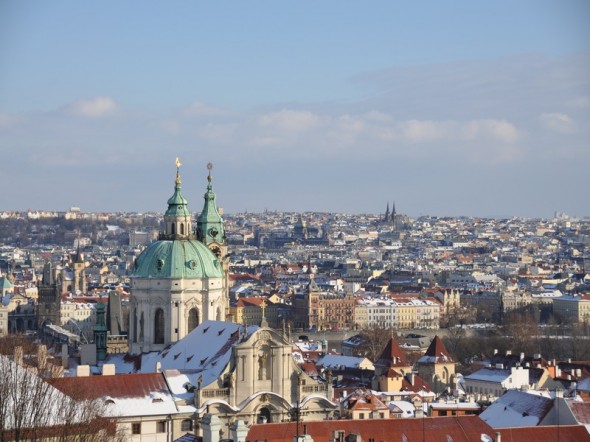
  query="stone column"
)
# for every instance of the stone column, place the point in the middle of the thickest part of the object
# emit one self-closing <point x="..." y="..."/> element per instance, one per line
<point x="211" y="426"/>
<point x="239" y="431"/>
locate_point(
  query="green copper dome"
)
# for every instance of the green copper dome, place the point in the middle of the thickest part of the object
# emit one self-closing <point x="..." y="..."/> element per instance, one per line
<point x="177" y="204"/>
<point x="177" y="259"/>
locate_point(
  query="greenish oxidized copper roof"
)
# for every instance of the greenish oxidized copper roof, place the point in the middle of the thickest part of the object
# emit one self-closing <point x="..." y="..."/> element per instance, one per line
<point x="177" y="259"/>
<point x="5" y="283"/>
<point x="177" y="204"/>
<point x="210" y="226"/>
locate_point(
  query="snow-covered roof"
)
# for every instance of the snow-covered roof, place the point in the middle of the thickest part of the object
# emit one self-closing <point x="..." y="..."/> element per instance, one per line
<point x="517" y="409"/>
<point x="338" y="362"/>
<point x="125" y="394"/>
<point x="204" y="352"/>
<point x="407" y="408"/>
<point x="488" y="375"/>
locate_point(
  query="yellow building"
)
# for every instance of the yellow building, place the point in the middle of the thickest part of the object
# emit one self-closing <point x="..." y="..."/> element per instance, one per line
<point x="573" y="308"/>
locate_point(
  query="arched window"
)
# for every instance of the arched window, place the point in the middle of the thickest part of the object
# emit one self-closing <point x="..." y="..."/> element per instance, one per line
<point x="182" y="228"/>
<point x="264" y="416"/>
<point x="218" y="318"/>
<point x="159" y="327"/>
<point x="173" y="228"/>
<point x="193" y="319"/>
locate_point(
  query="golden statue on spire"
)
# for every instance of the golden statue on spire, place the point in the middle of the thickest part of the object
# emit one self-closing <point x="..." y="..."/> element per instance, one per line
<point x="178" y="164"/>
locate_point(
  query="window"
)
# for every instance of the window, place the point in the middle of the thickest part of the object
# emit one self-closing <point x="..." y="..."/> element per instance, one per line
<point x="161" y="427"/>
<point x="186" y="425"/>
<point x="136" y="428"/>
<point x="159" y="327"/>
<point x="193" y="319"/>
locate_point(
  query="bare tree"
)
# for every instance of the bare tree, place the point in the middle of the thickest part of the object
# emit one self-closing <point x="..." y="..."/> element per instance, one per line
<point x="32" y="409"/>
<point x="374" y="338"/>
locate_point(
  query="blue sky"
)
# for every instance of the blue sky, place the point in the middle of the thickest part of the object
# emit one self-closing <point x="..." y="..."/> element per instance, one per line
<point x="448" y="108"/>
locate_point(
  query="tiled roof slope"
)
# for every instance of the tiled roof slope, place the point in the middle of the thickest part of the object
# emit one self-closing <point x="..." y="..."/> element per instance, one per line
<point x="439" y="429"/>
<point x="392" y="355"/>
<point x="436" y="353"/>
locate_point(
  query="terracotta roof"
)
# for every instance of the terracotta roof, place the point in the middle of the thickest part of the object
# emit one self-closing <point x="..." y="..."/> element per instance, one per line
<point x="561" y="433"/>
<point x="581" y="411"/>
<point x="393" y="356"/>
<point x="363" y="400"/>
<point x="116" y="386"/>
<point x="457" y="428"/>
<point x="436" y="349"/>
<point x="252" y="302"/>
<point x="418" y="385"/>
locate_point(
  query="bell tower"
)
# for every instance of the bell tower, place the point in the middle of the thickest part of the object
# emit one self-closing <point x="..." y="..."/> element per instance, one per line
<point x="210" y="228"/>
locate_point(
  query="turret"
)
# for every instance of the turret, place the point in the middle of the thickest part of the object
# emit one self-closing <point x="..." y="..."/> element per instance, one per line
<point x="210" y="228"/>
<point x="177" y="218"/>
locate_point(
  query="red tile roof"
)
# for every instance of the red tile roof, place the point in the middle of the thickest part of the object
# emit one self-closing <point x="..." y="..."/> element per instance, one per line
<point x="252" y="302"/>
<point x="567" y="433"/>
<point x="437" y="349"/>
<point x="439" y="429"/>
<point x="116" y="386"/>
<point x="392" y="355"/>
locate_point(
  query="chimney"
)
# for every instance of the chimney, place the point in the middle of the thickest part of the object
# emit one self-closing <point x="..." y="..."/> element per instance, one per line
<point x="521" y="356"/>
<point x="495" y="351"/>
<point x="82" y="371"/>
<point x="508" y="352"/>
<point x="108" y="369"/>
<point x="498" y="437"/>
<point x="158" y="367"/>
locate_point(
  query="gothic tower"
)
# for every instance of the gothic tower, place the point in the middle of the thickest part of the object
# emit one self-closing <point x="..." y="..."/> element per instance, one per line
<point x="49" y="301"/>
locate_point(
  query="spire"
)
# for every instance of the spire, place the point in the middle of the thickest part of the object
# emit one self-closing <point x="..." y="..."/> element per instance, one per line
<point x="210" y="228"/>
<point x="387" y="212"/>
<point x="438" y="351"/>
<point x="177" y="217"/>
<point x="392" y="355"/>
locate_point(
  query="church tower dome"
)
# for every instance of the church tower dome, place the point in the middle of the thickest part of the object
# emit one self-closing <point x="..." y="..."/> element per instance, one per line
<point x="176" y="282"/>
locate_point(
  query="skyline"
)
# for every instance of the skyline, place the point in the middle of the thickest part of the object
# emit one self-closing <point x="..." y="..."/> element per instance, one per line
<point x="462" y="109"/>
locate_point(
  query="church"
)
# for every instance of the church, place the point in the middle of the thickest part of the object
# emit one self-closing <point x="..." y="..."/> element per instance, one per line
<point x="180" y="280"/>
<point x="179" y="299"/>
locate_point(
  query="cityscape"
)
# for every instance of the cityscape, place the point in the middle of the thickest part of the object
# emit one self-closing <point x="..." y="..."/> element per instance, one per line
<point x="295" y="221"/>
<point x="298" y="326"/>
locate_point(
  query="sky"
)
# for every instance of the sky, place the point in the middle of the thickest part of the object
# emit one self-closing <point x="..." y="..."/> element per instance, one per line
<point x="445" y="108"/>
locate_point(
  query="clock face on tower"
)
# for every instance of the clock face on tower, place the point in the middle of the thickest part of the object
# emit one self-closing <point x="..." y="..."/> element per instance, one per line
<point x="213" y="232"/>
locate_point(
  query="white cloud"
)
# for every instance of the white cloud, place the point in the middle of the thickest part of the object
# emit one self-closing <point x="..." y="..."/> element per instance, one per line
<point x="93" y="108"/>
<point x="499" y="130"/>
<point x="200" y="109"/>
<point x="415" y="131"/>
<point x="582" y="102"/>
<point x="290" y="120"/>
<point x="558" y="122"/>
